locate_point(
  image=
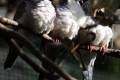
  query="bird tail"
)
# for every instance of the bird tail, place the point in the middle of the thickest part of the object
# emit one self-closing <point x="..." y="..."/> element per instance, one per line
<point x="88" y="60"/>
<point x="11" y="57"/>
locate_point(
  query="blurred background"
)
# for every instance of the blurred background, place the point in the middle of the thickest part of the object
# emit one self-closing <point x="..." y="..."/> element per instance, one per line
<point x="110" y="70"/>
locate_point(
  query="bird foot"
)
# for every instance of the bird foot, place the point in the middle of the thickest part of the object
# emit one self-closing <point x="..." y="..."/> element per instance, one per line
<point x="90" y="47"/>
<point x="102" y="48"/>
<point x="57" y="40"/>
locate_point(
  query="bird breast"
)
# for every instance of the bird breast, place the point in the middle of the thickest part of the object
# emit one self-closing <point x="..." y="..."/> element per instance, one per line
<point x="39" y="17"/>
<point x="65" y="25"/>
<point x="98" y="35"/>
<point x="103" y="35"/>
<point x="108" y="36"/>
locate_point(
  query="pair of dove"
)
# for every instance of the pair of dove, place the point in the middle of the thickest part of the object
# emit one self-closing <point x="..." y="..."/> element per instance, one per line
<point x="60" y="19"/>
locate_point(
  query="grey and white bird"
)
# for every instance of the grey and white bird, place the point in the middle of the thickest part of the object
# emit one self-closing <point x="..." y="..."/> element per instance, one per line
<point x="67" y="23"/>
<point x="97" y="35"/>
<point x="37" y="15"/>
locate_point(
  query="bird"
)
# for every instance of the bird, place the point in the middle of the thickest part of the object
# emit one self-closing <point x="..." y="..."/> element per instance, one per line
<point x="97" y="35"/>
<point x="93" y="34"/>
<point x="68" y="21"/>
<point x="36" y="15"/>
<point x="66" y="27"/>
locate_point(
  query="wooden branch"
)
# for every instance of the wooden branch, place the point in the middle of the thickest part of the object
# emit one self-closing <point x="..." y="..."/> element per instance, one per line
<point x="11" y="33"/>
<point x="5" y="31"/>
<point x="8" y="21"/>
<point x="34" y="65"/>
<point x="109" y="52"/>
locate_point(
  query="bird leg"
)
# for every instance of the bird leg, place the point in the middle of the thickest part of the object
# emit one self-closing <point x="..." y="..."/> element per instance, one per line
<point x="102" y="48"/>
<point x="57" y="41"/>
<point x="90" y="47"/>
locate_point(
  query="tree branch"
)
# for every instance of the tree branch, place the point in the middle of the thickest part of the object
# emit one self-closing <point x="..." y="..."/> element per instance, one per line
<point x="34" y="65"/>
<point x="109" y="52"/>
<point x="35" y="51"/>
<point x="8" y="21"/>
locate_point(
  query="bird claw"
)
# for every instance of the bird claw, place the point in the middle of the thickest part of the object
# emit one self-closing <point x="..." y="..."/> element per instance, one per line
<point x="102" y="48"/>
<point x="57" y="40"/>
<point x="90" y="48"/>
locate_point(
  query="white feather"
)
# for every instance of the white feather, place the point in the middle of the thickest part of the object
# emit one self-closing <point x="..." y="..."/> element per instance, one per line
<point x="108" y="36"/>
<point x="100" y="34"/>
<point x="65" y="25"/>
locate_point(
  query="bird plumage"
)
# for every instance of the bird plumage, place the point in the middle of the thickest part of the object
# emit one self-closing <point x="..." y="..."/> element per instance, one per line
<point x="65" y="25"/>
<point x="39" y="16"/>
<point x="68" y="20"/>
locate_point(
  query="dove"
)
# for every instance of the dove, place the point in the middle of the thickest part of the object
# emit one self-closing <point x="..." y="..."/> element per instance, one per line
<point x="70" y="17"/>
<point x="93" y="34"/>
<point x="67" y="23"/>
<point x="97" y="35"/>
<point x="37" y="15"/>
